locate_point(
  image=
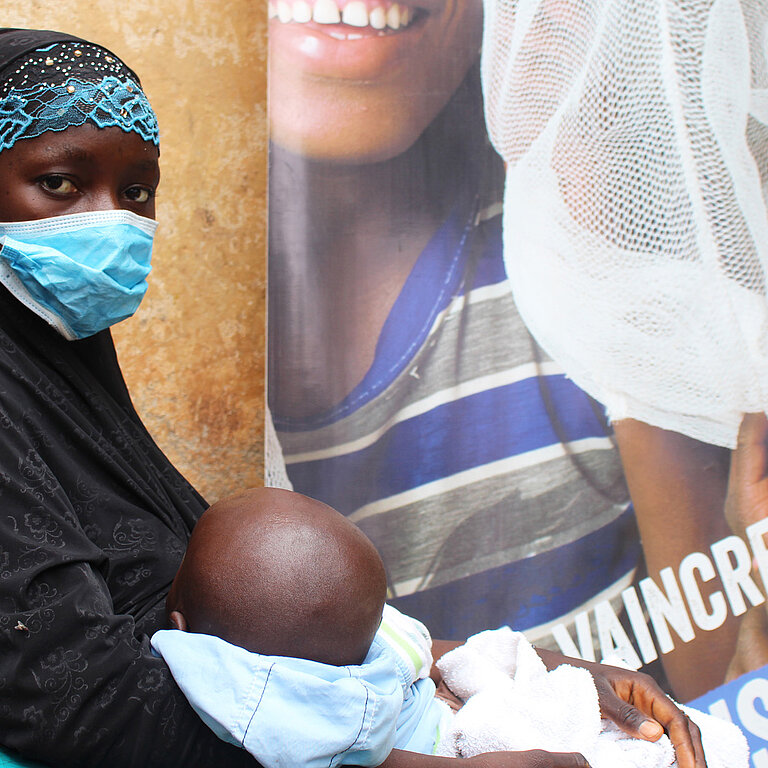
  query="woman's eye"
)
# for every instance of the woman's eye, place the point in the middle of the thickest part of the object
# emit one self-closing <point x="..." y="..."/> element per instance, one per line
<point x="58" y="185"/>
<point x="139" y="194"/>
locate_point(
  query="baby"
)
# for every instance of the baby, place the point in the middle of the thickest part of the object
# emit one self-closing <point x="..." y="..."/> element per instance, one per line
<point x="298" y="593"/>
<point x="290" y="579"/>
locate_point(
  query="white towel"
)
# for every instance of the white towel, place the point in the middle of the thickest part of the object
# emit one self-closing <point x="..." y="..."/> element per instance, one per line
<point x="514" y="703"/>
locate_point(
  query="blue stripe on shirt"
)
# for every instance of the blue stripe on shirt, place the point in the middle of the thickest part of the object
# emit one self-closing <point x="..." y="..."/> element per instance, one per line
<point x="463" y="434"/>
<point x="532" y="591"/>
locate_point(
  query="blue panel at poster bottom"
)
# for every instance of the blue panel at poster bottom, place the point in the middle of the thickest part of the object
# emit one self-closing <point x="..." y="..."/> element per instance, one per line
<point x="744" y="701"/>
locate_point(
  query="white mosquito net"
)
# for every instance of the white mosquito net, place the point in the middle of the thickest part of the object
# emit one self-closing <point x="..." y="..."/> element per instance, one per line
<point x="635" y="134"/>
<point x="275" y="473"/>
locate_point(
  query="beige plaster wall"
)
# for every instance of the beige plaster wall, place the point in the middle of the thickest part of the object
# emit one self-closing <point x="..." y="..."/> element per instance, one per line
<point x="193" y="355"/>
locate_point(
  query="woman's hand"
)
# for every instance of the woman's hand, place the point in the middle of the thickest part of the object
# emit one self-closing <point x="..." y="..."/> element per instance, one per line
<point x="635" y="702"/>
<point x="632" y="700"/>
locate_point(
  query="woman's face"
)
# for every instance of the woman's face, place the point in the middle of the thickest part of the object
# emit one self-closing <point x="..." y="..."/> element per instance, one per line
<point x="364" y="90"/>
<point x="82" y="168"/>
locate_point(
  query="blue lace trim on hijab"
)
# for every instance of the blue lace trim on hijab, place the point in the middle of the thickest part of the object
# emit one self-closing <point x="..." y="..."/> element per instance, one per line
<point x="68" y="83"/>
<point x="30" y="112"/>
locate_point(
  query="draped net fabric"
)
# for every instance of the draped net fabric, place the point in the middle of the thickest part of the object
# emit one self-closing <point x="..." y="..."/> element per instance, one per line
<point x="275" y="472"/>
<point x="635" y="134"/>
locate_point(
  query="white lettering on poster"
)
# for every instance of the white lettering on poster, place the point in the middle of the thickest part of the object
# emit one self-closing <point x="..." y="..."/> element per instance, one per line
<point x="666" y="609"/>
<point x="586" y="648"/>
<point x="707" y="620"/>
<point x="756" y="537"/>
<point x="734" y="564"/>
<point x="669" y="607"/>
<point x="720" y="709"/>
<point x="753" y="721"/>
<point x="639" y="627"/>
<point x="613" y="638"/>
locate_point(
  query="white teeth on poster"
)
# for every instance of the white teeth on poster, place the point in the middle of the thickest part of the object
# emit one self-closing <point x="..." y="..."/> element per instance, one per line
<point x="354" y="14"/>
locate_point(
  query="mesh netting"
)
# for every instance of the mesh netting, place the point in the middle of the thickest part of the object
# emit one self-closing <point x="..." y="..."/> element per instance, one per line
<point x="275" y="474"/>
<point x="635" y="232"/>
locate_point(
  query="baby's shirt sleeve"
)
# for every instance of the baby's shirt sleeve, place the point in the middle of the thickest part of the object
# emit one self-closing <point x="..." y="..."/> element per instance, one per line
<point x="411" y="642"/>
<point x="288" y="712"/>
<point x="422" y="717"/>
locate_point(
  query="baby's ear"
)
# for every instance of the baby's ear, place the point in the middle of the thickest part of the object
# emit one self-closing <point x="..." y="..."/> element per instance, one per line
<point x="177" y="620"/>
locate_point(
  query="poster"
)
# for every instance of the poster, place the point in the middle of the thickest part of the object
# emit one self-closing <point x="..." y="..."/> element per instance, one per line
<point x="408" y="393"/>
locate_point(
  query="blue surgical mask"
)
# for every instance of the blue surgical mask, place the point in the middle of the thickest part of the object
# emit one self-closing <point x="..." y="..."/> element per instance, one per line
<point x="82" y="272"/>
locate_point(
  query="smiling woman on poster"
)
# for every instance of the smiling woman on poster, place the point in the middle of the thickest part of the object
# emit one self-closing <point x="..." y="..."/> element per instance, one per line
<point x="406" y="391"/>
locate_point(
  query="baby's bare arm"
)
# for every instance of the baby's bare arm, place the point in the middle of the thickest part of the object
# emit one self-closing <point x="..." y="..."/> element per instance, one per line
<point x="534" y="758"/>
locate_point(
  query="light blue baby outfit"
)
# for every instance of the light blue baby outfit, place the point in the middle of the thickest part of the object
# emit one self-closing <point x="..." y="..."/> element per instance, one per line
<point x="290" y="712"/>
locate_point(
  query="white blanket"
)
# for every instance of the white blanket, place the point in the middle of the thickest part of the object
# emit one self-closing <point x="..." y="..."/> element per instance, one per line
<point x="514" y="703"/>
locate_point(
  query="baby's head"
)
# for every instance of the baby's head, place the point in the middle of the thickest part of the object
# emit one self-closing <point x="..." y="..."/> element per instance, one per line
<point x="281" y="574"/>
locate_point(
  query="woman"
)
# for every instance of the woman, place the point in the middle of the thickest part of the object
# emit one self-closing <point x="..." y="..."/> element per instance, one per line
<point x="95" y="520"/>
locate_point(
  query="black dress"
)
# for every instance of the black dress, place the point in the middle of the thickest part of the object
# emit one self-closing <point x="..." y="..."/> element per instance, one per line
<point x="94" y="521"/>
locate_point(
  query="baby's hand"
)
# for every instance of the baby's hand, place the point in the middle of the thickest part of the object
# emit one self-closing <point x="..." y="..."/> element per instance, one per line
<point x="444" y="693"/>
<point x="534" y="758"/>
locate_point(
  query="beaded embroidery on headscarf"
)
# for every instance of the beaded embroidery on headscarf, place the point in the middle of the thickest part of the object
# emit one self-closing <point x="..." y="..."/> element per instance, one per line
<point x="66" y="84"/>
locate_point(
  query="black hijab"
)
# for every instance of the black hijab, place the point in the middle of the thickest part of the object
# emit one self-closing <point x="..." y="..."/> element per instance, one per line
<point x="91" y="364"/>
<point x="15" y="44"/>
